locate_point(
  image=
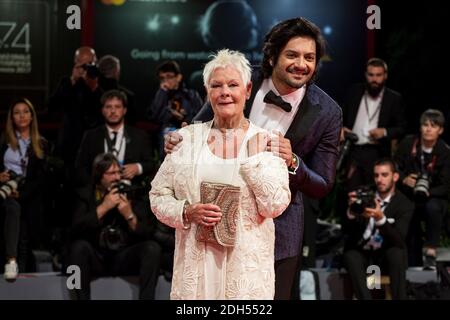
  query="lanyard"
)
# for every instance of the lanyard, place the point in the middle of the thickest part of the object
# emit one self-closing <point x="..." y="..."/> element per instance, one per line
<point x="377" y="110"/>
<point x="23" y="156"/>
<point x="112" y="148"/>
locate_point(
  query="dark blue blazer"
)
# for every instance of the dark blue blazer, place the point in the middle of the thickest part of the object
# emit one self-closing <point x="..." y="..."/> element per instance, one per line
<point x="314" y="135"/>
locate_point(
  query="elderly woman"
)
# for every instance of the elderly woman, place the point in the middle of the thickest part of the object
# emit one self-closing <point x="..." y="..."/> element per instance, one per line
<point x="21" y="176"/>
<point x="227" y="151"/>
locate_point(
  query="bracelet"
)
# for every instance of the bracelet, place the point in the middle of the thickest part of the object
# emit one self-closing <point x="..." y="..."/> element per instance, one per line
<point x="130" y="217"/>
<point x="185" y="216"/>
<point x="294" y="164"/>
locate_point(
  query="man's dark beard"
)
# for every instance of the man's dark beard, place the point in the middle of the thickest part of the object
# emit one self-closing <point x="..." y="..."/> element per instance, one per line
<point x="374" y="91"/>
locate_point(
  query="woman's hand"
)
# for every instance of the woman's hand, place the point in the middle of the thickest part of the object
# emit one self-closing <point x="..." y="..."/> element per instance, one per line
<point x="207" y="214"/>
<point x="4" y="176"/>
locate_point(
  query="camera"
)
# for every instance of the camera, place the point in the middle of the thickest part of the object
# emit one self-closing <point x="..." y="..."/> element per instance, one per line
<point x="365" y="198"/>
<point x="125" y="187"/>
<point x="422" y="187"/>
<point x="11" y="185"/>
<point x="350" y="138"/>
<point x="92" y="70"/>
<point x="112" y="238"/>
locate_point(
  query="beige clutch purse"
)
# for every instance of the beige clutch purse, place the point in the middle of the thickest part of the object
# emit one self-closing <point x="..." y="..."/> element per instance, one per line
<point x="227" y="198"/>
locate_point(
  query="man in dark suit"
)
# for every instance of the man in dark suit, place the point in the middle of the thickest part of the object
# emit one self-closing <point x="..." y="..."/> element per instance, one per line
<point x="284" y="98"/>
<point x="376" y="115"/>
<point x="377" y="235"/>
<point x="130" y="145"/>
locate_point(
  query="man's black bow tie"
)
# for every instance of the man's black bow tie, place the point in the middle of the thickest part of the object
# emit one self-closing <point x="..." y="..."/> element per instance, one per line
<point x="272" y="98"/>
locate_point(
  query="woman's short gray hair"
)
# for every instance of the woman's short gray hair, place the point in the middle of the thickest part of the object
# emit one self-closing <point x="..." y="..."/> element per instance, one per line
<point x="225" y="58"/>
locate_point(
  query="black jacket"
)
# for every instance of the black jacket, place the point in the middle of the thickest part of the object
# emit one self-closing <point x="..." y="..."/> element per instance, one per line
<point x="36" y="173"/>
<point x="408" y="163"/>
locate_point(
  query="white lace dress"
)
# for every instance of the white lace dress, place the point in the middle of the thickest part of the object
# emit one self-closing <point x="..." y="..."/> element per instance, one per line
<point x="205" y="271"/>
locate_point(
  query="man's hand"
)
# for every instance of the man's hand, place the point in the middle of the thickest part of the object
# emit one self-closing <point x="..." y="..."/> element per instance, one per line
<point x="351" y="198"/>
<point x="207" y="214"/>
<point x="77" y="73"/>
<point x="377" y="133"/>
<point x="410" y="180"/>
<point x="172" y="142"/>
<point x="176" y="114"/>
<point x="376" y="212"/>
<point x="14" y="194"/>
<point x="4" y="176"/>
<point x="111" y="200"/>
<point x="130" y="171"/>
<point x="92" y="83"/>
<point x="343" y="131"/>
<point x="281" y="147"/>
<point x="257" y="143"/>
<point x="124" y="206"/>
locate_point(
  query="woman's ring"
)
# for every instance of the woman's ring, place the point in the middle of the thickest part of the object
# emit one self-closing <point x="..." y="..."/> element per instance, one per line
<point x="204" y="219"/>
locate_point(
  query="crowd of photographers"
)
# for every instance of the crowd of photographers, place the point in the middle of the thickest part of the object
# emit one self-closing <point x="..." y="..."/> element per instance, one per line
<point x="392" y="183"/>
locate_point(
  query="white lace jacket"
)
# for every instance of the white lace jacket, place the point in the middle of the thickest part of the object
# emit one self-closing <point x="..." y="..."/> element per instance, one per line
<point x="265" y="194"/>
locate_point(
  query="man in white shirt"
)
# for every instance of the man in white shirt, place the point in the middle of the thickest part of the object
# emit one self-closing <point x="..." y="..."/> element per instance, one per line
<point x="375" y="114"/>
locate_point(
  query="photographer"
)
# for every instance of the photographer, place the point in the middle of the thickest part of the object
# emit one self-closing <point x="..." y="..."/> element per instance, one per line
<point x="424" y="165"/>
<point x="173" y="102"/>
<point x="22" y="175"/>
<point x="377" y="226"/>
<point x="111" y="232"/>
<point x="77" y="99"/>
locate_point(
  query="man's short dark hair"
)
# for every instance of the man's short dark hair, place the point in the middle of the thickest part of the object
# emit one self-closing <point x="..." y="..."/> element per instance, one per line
<point x="377" y="62"/>
<point x="101" y="164"/>
<point x="114" y="94"/>
<point x="436" y="117"/>
<point x="277" y="38"/>
<point x="168" y="66"/>
<point x="386" y="162"/>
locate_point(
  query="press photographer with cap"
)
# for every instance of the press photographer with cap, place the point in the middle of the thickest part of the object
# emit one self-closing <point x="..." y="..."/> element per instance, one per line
<point x="424" y="164"/>
<point x="111" y="232"/>
<point x="377" y="223"/>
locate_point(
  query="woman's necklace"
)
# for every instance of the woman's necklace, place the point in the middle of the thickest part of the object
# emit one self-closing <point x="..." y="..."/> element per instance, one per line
<point x="228" y="134"/>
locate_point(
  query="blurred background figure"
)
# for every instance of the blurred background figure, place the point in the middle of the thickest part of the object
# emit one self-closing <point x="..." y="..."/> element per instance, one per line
<point x="110" y="69"/>
<point x="173" y="103"/>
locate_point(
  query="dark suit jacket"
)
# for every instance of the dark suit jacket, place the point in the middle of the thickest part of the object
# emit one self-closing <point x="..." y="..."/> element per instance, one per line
<point x="407" y="164"/>
<point x="93" y="143"/>
<point x="392" y="114"/>
<point x="314" y="136"/>
<point x="399" y="208"/>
